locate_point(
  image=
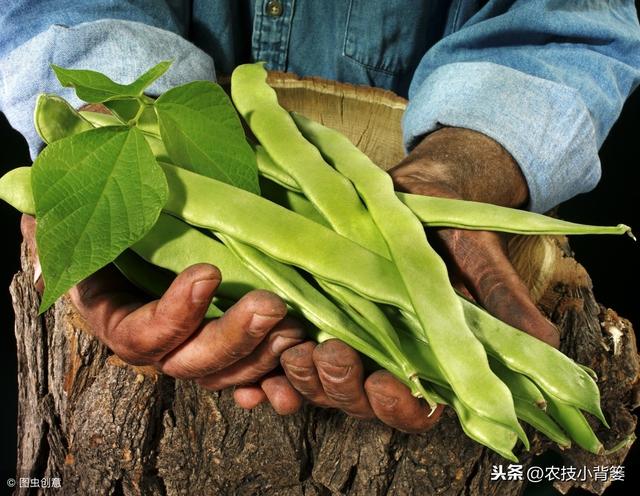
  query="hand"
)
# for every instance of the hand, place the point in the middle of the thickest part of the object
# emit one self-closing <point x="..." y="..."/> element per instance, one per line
<point x="464" y="164"/>
<point x="169" y="334"/>
<point x="331" y="375"/>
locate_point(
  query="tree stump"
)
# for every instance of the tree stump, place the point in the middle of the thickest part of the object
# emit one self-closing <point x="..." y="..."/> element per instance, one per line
<point x="104" y="427"/>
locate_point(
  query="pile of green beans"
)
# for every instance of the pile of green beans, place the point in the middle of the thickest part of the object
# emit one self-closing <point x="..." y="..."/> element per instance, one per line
<point x="350" y="257"/>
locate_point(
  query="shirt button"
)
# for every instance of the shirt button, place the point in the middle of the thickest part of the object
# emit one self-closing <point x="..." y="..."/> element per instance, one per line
<point x="274" y="8"/>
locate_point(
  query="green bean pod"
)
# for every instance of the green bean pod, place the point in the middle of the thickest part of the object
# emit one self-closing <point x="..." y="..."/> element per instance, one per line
<point x="499" y="438"/>
<point x="290" y="200"/>
<point x="174" y="245"/>
<point x="15" y="189"/>
<point x="282" y="234"/>
<point x="269" y="169"/>
<point x="521" y="386"/>
<point x="54" y="119"/>
<point x="575" y="424"/>
<point x="464" y="214"/>
<point x="419" y="351"/>
<point x="331" y="193"/>
<point x="425" y="277"/>
<point x="98" y="119"/>
<point x="370" y="318"/>
<point x="541" y="421"/>
<point x="551" y="370"/>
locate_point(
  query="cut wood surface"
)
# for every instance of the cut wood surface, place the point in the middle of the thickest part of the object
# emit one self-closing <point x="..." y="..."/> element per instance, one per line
<point x="104" y="427"/>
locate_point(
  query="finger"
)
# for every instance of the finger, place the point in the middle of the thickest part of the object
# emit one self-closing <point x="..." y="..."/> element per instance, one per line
<point x="299" y="368"/>
<point x="264" y="359"/>
<point x="480" y="258"/>
<point x="284" y="399"/>
<point x="249" y="397"/>
<point x="227" y="340"/>
<point x="394" y="405"/>
<point x="142" y="334"/>
<point x="342" y="376"/>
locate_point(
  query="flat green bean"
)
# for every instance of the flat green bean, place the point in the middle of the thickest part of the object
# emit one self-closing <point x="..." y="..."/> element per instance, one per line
<point x="370" y="318"/>
<point x="54" y="119"/>
<point x="520" y="385"/>
<point x="269" y="169"/>
<point x="550" y="369"/>
<point x="575" y="424"/>
<point x="174" y="245"/>
<point x="499" y="438"/>
<point x="541" y="421"/>
<point x="15" y="189"/>
<point x="282" y="234"/>
<point x="290" y="200"/>
<point x="464" y="214"/>
<point x="331" y="193"/>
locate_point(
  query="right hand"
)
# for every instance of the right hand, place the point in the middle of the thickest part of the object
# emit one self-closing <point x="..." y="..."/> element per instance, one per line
<point x="243" y="347"/>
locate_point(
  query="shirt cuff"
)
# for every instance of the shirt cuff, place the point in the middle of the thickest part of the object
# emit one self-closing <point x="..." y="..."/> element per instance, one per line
<point x="544" y="125"/>
<point x="122" y="50"/>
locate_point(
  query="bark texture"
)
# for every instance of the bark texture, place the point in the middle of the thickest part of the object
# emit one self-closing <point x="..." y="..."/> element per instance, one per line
<point x="105" y="427"/>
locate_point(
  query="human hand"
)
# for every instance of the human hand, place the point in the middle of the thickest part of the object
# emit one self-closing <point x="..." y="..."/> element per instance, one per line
<point x="243" y="346"/>
<point x="464" y="164"/>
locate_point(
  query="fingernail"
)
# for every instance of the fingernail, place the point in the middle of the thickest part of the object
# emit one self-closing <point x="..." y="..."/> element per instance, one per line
<point x="201" y="291"/>
<point x="260" y="323"/>
<point x="383" y="399"/>
<point x="37" y="270"/>
<point x="282" y="343"/>
<point x="336" y="372"/>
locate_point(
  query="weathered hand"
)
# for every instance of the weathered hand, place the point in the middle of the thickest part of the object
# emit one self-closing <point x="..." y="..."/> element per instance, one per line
<point x="464" y="164"/>
<point x="331" y="375"/>
<point x="170" y="334"/>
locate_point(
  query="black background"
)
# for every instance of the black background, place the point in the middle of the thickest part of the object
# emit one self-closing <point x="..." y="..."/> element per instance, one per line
<point x="612" y="262"/>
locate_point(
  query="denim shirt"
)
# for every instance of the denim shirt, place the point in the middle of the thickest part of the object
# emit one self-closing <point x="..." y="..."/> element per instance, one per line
<point x="545" y="78"/>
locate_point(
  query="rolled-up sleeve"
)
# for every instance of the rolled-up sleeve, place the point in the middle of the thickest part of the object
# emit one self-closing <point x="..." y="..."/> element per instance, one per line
<point x="545" y="79"/>
<point x="119" y="42"/>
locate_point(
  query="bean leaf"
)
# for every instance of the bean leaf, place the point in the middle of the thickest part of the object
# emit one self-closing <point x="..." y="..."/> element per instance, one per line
<point x="202" y="132"/>
<point x="95" y="87"/>
<point x="96" y="194"/>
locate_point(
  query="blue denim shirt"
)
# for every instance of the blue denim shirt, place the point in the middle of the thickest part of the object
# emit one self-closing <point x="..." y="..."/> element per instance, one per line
<point x="545" y="78"/>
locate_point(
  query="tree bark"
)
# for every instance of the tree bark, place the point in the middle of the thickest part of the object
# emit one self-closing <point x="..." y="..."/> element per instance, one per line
<point x="104" y="427"/>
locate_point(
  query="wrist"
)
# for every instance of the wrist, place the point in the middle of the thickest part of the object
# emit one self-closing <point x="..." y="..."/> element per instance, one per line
<point x="465" y="164"/>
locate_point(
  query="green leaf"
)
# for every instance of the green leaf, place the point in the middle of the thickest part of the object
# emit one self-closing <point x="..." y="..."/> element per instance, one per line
<point x="55" y="119"/>
<point x="202" y="132"/>
<point x="125" y="109"/>
<point x="96" y="194"/>
<point x="95" y="87"/>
